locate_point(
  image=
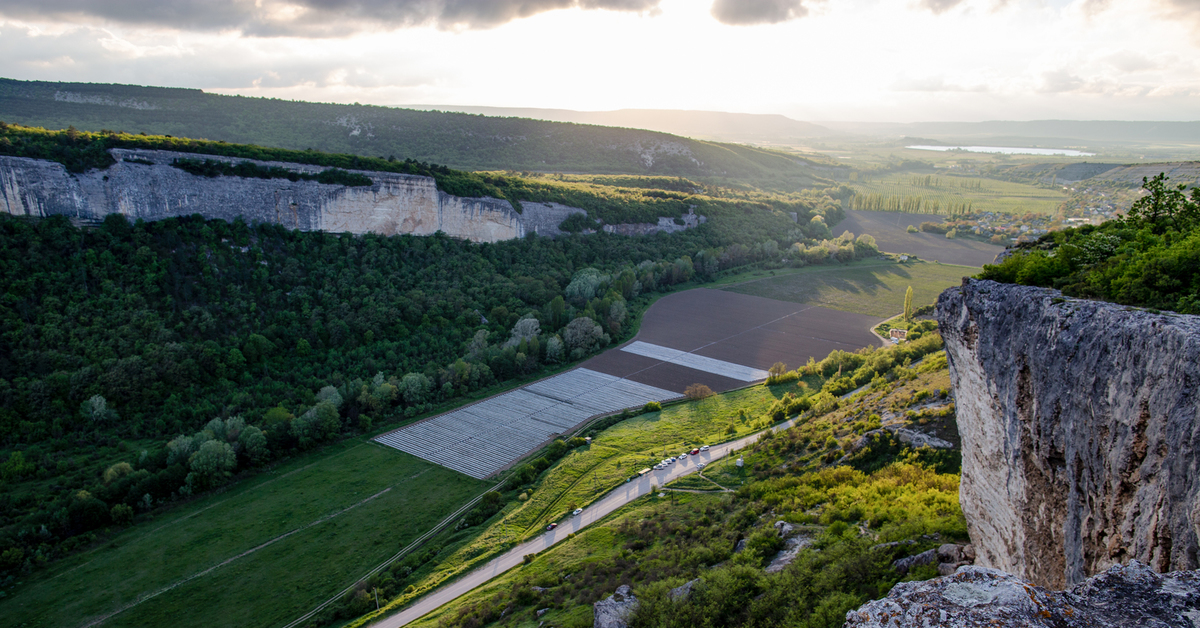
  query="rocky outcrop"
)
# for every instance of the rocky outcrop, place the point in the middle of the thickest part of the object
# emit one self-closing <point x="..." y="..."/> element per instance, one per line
<point x="665" y="224"/>
<point x="143" y="185"/>
<point x="1123" y="596"/>
<point x="1080" y="426"/>
<point x="614" y="611"/>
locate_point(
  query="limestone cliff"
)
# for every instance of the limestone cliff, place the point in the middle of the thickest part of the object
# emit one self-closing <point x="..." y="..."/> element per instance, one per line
<point x="1080" y="425"/>
<point x="143" y="184"/>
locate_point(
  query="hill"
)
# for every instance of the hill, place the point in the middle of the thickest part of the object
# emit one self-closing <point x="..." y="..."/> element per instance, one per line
<point x="462" y="141"/>
<point x="708" y="125"/>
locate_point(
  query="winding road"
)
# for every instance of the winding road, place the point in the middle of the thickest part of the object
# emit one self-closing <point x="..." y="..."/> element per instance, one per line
<point x="599" y="509"/>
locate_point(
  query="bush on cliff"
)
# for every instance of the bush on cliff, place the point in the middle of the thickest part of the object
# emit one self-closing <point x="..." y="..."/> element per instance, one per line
<point x="1151" y="258"/>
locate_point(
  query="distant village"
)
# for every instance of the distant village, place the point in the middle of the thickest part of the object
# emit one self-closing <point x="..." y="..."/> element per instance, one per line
<point x="1091" y="205"/>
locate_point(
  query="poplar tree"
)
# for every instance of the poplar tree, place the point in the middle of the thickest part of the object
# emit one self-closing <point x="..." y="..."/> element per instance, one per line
<point x="908" y="311"/>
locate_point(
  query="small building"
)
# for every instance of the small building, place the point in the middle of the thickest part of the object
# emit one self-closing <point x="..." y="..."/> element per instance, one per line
<point x="899" y="334"/>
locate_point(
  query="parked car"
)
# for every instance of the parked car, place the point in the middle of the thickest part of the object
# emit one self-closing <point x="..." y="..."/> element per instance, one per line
<point x="704" y="448"/>
<point x="682" y="456"/>
<point x="695" y="452"/>
<point x="701" y="465"/>
<point x="552" y="526"/>
<point x="578" y="511"/>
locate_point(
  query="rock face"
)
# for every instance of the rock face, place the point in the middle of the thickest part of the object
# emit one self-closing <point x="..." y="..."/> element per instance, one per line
<point x="1133" y="595"/>
<point x="143" y="184"/>
<point x="614" y="611"/>
<point x="1080" y="425"/>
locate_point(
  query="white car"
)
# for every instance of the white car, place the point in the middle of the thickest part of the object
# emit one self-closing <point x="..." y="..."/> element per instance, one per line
<point x="701" y="465"/>
<point x="682" y="456"/>
<point x="704" y="448"/>
<point x="578" y="511"/>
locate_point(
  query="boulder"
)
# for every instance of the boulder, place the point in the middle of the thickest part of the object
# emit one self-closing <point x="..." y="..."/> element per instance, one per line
<point x="683" y="591"/>
<point x="614" y="611"/>
<point x="978" y="597"/>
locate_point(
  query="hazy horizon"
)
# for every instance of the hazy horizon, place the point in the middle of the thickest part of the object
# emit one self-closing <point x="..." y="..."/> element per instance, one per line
<point x="809" y="60"/>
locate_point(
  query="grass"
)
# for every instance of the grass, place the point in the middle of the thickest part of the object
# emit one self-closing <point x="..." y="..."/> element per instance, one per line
<point x="871" y="288"/>
<point x="589" y="472"/>
<point x="597" y="544"/>
<point x="993" y="195"/>
<point x="295" y="535"/>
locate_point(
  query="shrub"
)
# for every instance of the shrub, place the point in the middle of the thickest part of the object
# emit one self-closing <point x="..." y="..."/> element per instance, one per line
<point x="698" y="391"/>
<point x="652" y="406"/>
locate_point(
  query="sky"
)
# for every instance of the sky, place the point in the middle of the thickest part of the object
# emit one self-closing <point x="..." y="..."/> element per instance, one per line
<point x="814" y="60"/>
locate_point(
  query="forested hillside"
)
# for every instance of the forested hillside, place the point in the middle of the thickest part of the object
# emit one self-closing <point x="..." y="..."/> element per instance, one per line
<point x="463" y="141"/>
<point x="142" y="363"/>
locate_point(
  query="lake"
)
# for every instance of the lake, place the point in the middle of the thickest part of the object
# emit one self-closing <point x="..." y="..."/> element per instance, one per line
<point x="1008" y="150"/>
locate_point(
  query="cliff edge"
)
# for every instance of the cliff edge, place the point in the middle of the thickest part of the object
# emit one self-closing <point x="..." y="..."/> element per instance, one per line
<point x="1080" y="425"/>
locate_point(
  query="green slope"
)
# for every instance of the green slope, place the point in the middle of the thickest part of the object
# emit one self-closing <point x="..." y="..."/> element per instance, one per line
<point x="463" y="141"/>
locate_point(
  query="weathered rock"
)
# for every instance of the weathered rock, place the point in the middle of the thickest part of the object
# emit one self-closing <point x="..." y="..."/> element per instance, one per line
<point x="542" y="611"/>
<point x="928" y="557"/>
<point x="614" y="611"/>
<point x="1124" y="596"/>
<point x="149" y="188"/>
<point x="740" y="546"/>
<point x="785" y="556"/>
<point x="784" y="529"/>
<point x="683" y="591"/>
<point x="909" y="437"/>
<point x="1079" y="430"/>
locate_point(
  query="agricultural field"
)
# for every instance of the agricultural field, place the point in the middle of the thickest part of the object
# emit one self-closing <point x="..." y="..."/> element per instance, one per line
<point x="867" y="288"/>
<point x="890" y="230"/>
<point x="734" y="329"/>
<point x="589" y="472"/>
<point x="259" y="554"/>
<point x="945" y="194"/>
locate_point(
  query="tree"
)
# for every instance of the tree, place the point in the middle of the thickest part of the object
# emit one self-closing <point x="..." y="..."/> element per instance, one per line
<point x="582" y="335"/>
<point x="698" y="391"/>
<point x="96" y="410"/>
<point x="211" y="465"/>
<point x="1166" y="207"/>
<point x="908" y="308"/>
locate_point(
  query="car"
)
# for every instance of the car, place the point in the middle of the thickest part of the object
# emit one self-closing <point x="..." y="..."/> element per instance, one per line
<point x="578" y="511"/>
<point x="701" y="465"/>
<point x="704" y="448"/>
<point x="694" y="452"/>
<point x="681" y="456"/>
<point x="552" y="526"/>
<point x="658" y="467"/>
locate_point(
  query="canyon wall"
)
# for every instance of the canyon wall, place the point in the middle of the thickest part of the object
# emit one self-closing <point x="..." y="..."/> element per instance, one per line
<point x="143" y="184"/>
<point x="1080" y="425"/>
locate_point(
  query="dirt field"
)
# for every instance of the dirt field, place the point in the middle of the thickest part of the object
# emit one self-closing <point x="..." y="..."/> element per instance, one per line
<point x="889" y="230"/>
<point x="737" y="328"/>
<point x="872" y="289"/>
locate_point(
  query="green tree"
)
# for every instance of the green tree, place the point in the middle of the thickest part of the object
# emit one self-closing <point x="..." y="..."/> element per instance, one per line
<point x="211" y="465"/>
<point x="908" y="306"/>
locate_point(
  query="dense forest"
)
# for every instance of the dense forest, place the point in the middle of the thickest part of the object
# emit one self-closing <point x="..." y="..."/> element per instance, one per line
<point x="142" y="363"/>
<point x="1150" y="258"/>
<point x="463" y="141"/>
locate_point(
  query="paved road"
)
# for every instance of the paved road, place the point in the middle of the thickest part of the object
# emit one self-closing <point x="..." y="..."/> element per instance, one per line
<point x="610" y="502"/>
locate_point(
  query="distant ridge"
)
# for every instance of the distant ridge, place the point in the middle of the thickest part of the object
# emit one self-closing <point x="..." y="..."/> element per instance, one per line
<point x="706" y="125"/>
<point x="465" y="142"/>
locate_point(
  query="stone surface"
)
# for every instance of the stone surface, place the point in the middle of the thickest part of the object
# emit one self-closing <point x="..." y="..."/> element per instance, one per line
<point x="683" y="591"/>
<point x="614" y="611"/>
<point x="1080" y="431"/>
<point x="785" y="556"/>
<point x="1123" y="596"/>
<point x="393" y="204"/>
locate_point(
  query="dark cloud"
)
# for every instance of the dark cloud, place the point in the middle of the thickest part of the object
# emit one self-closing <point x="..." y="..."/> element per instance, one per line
<point x="749" y="12"/>
<point x="306" y="18"/>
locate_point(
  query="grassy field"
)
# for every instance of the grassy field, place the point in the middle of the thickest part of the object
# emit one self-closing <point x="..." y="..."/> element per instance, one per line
<point x="595" y="545"/>
<point x="944" y="190"/>
<point x="589" y="472"/>
<point x="871" y="288"/>
<point x="259" y="554"/>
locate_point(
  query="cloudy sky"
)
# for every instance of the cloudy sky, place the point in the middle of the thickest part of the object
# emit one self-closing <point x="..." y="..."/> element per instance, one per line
<point x="877" y="60"/>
